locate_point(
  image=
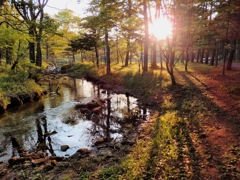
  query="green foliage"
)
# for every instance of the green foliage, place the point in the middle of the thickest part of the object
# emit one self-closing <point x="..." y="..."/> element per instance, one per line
<point x="147" y="85"/>
<point x="87" y="42"/>
<point x="65" y="68"/>
<point x="17" y="81"/>
<point x="110" y="173"/>
<point x="82" y="69"/>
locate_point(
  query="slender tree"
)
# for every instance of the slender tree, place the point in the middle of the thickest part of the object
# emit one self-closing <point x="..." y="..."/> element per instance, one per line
<point x="146" y="37"/>
<point x="107" y="14"/>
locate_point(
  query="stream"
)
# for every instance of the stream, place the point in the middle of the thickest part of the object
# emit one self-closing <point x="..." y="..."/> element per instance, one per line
<point x="54" y="121"/>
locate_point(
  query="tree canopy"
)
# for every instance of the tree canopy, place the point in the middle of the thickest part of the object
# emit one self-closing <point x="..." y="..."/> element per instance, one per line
<point x="202" y="30"/>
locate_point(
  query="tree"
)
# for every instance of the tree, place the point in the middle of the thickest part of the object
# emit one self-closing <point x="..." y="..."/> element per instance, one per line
<point x="106" y="14"/>
<point x="129" y="26"/>
<point x="32" y="13"/>
<point x="146" y="37"/>
<point x="50" y="30"/>
<point x="68" y="27"/>
<point x="154" y="39"/>
<point x="87" y="43"/>
<point x="12" y="36"/>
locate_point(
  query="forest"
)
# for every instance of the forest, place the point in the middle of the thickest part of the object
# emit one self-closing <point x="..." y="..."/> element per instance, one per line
<point x="179" y="59"/>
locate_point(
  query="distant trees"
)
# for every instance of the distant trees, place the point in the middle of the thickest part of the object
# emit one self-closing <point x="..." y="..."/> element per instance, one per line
<point x="68" y="29"/>
<point x="202" y="30"/>
<point x="86" y="42"/>
<point x="106" y="15"/>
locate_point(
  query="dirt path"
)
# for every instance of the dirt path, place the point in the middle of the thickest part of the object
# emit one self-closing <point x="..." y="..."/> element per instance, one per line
<point x="219" y="142"/>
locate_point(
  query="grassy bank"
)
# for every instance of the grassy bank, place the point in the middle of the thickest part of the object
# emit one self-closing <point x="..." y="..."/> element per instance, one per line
<point x="173" y="144"/>
<point x="191" y="134"/>
<point x="17" y="81"/>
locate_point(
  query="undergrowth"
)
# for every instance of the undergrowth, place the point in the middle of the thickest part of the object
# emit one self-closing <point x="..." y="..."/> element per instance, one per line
<point x="166" y="148"/>
<point x="19" y="80"/>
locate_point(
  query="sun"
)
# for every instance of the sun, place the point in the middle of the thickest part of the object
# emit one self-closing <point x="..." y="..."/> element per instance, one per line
<point x="161" y="28"/>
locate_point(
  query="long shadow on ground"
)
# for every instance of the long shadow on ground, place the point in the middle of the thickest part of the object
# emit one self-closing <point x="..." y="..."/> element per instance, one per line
<point x="193" y="104"/>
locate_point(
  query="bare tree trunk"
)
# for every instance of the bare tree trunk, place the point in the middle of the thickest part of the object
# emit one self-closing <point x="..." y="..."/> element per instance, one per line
<point x="198" y="54"/>
<point x="187" y="60"/>
<point x="39" y="52"/>
<point x="47" y="52"/>
<point x="107" y="53"/>
<point x="213" y="57"/>
<point x="154" y="54"/>
<point x="73" y="56"/>
<point x="206" y="57"/>
<point x="117" y="51"/>
<point x="226" y="41"/>
<point x="231" y="55"/>
<point x="31" y="46"/>
<point x="1" y="56"/>
<point x="202" y="56"/>
<point x="97" y="56"/>
<point x="192" y="56"/>
<point x="127" y="53"/>
<point x="146" y="40"/>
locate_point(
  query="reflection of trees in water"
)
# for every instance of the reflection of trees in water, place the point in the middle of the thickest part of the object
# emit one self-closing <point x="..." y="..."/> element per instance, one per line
<point x="16" y="147"/>
<point x="108" y="122"/>
<point x="16" y="128"/>
<point x="41" y="124"/>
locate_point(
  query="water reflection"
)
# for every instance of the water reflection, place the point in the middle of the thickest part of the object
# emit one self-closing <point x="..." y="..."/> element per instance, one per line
<point x="43" y="137"/>
<point x="53" y="121"/>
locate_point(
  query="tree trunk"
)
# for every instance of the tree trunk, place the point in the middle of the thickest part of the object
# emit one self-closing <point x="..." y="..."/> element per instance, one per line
<point x="117" y="51"/>
<point x="47" y="52"/>
<point x="73" y="57"/>
<point x="154" y="54"/>
<point x="206" y="57"/>
<point x="127" y="53"/>
<point x="170" y="65"/>
<point x="130" y="57"/>
<point x="1" y="56"/>
<point x="231" y="55"/>
<point x="161" y="60"/>
<point x="198" y="54"/>
<point x="39" y="52"/>
<point x="187" y="60"/>
<point x="31" y="46"/>
<point x="107" y="53"/>
<point x="146" y="40"/>
<point x="226" y="40"/>
<point x="213" y="57"/>
<point x="183" y="56"/>
<point x="192" y="56"/>
<point x="97" y="56"/>
<point x="202" y="56"/>
<point x="171" y="74"/>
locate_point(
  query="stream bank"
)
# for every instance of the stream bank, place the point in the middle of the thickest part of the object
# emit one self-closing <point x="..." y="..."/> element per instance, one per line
<point x="113" y="132"/>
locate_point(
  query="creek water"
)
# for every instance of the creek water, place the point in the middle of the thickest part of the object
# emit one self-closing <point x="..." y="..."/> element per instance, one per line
<point x="54" y="121"/>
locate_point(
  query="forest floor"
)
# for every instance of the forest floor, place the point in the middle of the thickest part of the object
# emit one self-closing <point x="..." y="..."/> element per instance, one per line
<point x="205" y="140"/>
<point x="219" y="146"/>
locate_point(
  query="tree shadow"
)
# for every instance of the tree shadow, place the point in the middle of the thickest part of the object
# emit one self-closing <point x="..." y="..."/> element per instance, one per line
<point x="200" y="107"/>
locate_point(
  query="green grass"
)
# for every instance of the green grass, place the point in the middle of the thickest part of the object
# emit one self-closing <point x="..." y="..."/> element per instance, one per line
<point x="167" y="147"/>
<point x="13" y="82"/>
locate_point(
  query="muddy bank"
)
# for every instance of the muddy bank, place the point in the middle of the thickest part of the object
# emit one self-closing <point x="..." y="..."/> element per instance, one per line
<point x="20" y="99"/>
